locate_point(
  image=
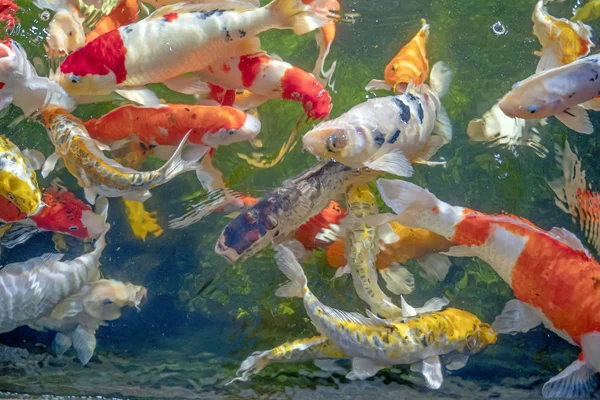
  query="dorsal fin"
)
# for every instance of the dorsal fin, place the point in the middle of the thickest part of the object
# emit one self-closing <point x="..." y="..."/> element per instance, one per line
<point x="568" y="238"/>
<point x="184" y="8"/>
<point x="29" y="265"/>
<point x="359" y="319"/>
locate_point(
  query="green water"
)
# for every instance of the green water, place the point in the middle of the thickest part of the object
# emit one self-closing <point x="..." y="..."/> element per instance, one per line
<point x="204" y="316"/>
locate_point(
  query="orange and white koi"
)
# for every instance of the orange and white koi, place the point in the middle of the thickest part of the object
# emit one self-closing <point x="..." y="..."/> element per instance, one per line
<point x="21" y="85"/>
<point x="553" y="276"/>
<point x="175" y="40"/>
<point x="318" y="231"/>
<point x="62" y="213"/>
<point x="267" y="78"/>
<point x="325" y="37"/>
<point x="562" y="41"/>
<point x="564" y="92"/>
<point x="574" y="197"/>
<point x="125" y="13"/>
<point x="96" y="173"/>
<point x="387" y="133"/>
<point x="409" y="65"/>
<point x="78" y="317"/>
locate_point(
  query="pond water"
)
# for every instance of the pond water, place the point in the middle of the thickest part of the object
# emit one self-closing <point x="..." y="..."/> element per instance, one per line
<point x="204" y="316"/>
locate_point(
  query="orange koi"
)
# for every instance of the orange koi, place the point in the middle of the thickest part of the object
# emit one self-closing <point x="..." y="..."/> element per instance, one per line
<point x="126" y="12"/>
<point x="553" y="276"/>
<point x="325" y="37"/>
<point x="410" y="64"/>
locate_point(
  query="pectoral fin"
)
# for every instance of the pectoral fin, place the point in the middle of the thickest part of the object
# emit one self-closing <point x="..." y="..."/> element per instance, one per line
<point x="90" y="195"/>
<point x="141" y="95"/>
<point x="393" y="162"/>
<point x="187" y="85"/>
<point x="35" y="158"/>
<point x="593" y="104"/>
<point x="377" y="84"/>
<point x="431" y="368"/>
<point x="362" y="368"/>
<point x="50" y="164"/>
<point x="516" y="317"/>
<point x="84" y="344"/>
<point x="576" y="118"/>
<point x="456" y="361"/>
<point x="435" y="266"/>
<point x="61" y="344"/>
<point x="577" y="380"/>
<point x="5" y="100"/>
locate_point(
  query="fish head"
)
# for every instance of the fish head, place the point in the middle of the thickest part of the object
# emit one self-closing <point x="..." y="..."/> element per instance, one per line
<point x="478" y="341"/>
<point x="65" y="32"/>
<point x="245" y="133"/>
<point x="334" y="213"/>
<point x="398" y="76"/>
<point x="64" y="213"/>
<point x="530" y="99"/>
<point x="107" y="296"/>
<point x="339" y="142"/>
<point x="21" y="190"/>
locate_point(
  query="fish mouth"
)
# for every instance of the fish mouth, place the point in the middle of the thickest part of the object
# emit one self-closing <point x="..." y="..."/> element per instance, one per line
<point x="230" y="254"/>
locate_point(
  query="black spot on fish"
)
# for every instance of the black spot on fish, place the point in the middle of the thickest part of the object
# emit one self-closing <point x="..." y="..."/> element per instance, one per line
<point x="403" y="110"/>
<point x="395" y="136"/>
<point x="417" y="101"/>
<point x="128" y="29"/>
<point x="207" y="14"/>
<point x="378" y="137"/>
<point x="242" y="33"/>
<point x="227" y="35"/>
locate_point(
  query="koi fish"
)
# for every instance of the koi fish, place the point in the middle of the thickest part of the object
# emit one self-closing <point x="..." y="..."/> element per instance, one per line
<point x="588" y="12"/>
<point x="563" y="92"/>
<point x="394" y="252"/>
<point x="18" y="181"/>
<point x="316" y="348"/>
<point x="267" y="78"/>
<point x="191" y="34"/>
<point x="574" y="197"/>
<point x="550" y="272"/>
<point x="21" y="85"/>
<point x="78" y="317"/>
<point x="375" y="343"/>
<point x="496" y="129"/>
<point x="409" y="65"/>
<point x="282" y="211"/>
<point x="387" y="133"/>
<point x="33" y="288"/>
<point x="8" y="9"/>
<point x="125" y="13"/>
<point x="325" y="37"/>
<point x="562" y="41"/>
<point x="361" y="251"/>
<point x="62" y="213"/>
<point x="97" y="174"/>
<point x="318" y="231"/>
<point x="66" y="30"/>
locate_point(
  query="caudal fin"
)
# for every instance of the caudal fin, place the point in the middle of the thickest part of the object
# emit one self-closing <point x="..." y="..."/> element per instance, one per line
<point x="295" y="15"/>
<point x="440" y="78"/>
<point x="288" y="264"/>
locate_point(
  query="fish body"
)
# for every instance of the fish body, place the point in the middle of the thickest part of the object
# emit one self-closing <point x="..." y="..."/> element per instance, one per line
<point x="78" y="317"/>
<point x="588" y="12"/>
<point x="269" y="78"/>
<point x="385" y="134"/>
<point x="21" y="85"/>
<point x="18" y="180"/>
<point x="298" y="351"/>
<point x="562" y="92"/>
<point x="125" y="13"/>
<point x="375" y="343"/>
<point x="96" y="173"/>
<point x="167" y="125"/>
<point x="66" y="31"/>
<point x="325" y="37"/>
<point x="562" y="41"/>
<point x="8" y="9"/>
<point x="278" y="214"/>
<point x="362" y="250"/>
<point x="410" y="64"/>
<point x="318" y="231"/>
<point x="33" y="288"/>
<point x="574" y="197"/>
<point x="551" y="273"/>
<point x="499" y="130"/>
<point x="175" y="40"/>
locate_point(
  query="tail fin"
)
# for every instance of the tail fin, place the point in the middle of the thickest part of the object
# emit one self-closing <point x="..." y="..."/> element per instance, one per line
<point x="293" y="270"/>
<point x="177" y="164"/>
<point x="440" y="78"/>
<point x="295" y="15"/>
<point x="403" y="196"/>
<point x="255" y="363"/>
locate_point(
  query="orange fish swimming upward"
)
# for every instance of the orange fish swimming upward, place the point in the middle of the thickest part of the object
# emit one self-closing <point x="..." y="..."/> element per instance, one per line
<point x="126" y="12"/>
<point x="554" y="278"/>
<point x="409" y="65"/>
<point x="325" y="37"/>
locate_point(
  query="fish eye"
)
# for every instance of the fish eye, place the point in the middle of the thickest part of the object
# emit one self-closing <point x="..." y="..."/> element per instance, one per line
<point x="532" y="109"/>
<point x="231" y="132"/>
<point x="393" y="68"/>
<point x="75" y="79"/>
<point x="516" y="85"/>
<point x="472" y="343"/>
<point x="73" y="228"/>
<point x="332" y="143"/>
<point x="106" y="302"/>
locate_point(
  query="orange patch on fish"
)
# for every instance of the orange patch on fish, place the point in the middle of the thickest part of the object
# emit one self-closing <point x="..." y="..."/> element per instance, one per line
<point x="125" y="13"/>
<point x="170" y="17"/>
<point x="410" y="64"/>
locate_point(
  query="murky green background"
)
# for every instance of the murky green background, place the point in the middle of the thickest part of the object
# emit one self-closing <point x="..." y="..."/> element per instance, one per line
<point x="204" y="316"/>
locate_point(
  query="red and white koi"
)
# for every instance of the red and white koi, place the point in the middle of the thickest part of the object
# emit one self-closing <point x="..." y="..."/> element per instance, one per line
<point x="175" y="40"/>
<point x="553" y="276"/>
<point x="387" y="133"/>
<point x="21" y="85"/>
<point x="267" y="78"/>
<point x="574" y="197"/>
<point x="8" y="9"/>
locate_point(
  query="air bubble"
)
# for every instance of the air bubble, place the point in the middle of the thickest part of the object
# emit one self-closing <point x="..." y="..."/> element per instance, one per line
<point x="45" y="16"/>
<point x="499" y="29"/>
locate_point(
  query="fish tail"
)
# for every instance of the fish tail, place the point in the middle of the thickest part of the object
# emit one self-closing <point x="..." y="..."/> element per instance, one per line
<point x="288" y="264"/>
<point x="178" y="164"/>
<point x="295" y="15"/>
